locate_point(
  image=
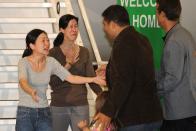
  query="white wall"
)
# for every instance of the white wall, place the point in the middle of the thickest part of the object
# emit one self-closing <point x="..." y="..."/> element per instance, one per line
<point x="96" y="7"/>
<point x="188" y="18"/>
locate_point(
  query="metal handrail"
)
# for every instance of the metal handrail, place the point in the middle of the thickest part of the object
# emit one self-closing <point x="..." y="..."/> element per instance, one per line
<point x="90" y="32"/>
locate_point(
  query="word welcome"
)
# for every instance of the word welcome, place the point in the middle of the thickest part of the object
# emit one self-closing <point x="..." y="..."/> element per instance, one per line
<point x="145" y="21"/>
<point x="138" y="3"/>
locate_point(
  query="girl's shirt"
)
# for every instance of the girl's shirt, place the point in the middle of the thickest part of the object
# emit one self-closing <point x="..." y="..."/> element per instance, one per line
<point x="38" y="81"/>
<point x="109" y="128"/>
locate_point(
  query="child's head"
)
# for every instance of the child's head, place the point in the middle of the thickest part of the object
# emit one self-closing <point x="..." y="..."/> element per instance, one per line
<point x="101" y="98"/>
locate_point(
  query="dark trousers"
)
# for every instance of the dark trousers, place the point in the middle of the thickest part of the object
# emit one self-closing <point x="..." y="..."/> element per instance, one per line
<point x="187" y="124"/>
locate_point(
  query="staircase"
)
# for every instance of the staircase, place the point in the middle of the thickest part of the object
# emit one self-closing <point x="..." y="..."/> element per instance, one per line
<point x="17" y="18"/>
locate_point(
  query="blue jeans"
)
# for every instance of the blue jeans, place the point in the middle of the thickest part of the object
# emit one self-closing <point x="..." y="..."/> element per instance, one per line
<point x="33" y="119"/>
<point x="143" y="127"/>
<point x="62" y="117"/>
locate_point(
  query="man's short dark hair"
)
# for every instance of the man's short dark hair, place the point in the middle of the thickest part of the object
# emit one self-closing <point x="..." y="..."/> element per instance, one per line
<point x="171" y="8"/>
<point x="117" y="14"/>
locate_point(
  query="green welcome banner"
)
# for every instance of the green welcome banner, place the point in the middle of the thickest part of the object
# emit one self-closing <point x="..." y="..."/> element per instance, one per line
<point x="142" y="15"/>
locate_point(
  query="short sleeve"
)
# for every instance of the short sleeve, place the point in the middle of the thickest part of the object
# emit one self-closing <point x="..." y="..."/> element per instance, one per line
<point x="22" y="69"/>
<point x="59" y="70"/>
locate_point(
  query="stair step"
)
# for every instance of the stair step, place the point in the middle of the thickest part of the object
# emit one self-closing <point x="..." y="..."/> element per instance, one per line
<point x="7" y="124"/>
<point x="11" y="52"/>
<point x="8" y="94"/>
<point x="29" y="5"/>
<point x="8" y="69"/>
<point x="8" y="77"/>
<point x="9" y="57"/>
<point x="8" y="85"/>
<point x="7" y="121"/>
<point x="16" y="44"/>
<point x="9" y="60"/>
<point x="24" y="12"/>
<point x="28" y="20"/>
<point x="20" y="28"/>
<point x="21" y="36"/>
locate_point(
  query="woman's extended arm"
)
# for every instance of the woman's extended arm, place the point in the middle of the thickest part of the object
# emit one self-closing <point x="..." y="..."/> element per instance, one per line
<point x="82" y="80"/>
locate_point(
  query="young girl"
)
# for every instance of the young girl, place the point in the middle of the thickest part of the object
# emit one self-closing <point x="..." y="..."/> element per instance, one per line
<point x="34" y="71"/>
<point x="98" y="105"/>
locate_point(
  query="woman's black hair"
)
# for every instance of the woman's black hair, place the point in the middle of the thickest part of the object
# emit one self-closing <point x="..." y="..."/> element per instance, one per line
<point x="31" y="39"/>
<point x="63" y="23"/>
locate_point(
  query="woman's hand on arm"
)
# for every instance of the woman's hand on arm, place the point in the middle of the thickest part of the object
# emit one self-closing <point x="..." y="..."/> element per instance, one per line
<point x="101" y="71"/>
<point x="28" y="89"/>
<point x="70" y="60"/>
<point x="100" y="80"/>
<point x="72" y="56"/>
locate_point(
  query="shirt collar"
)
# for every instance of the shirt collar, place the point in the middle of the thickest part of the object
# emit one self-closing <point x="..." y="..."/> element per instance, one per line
<point x="164" y="37"/>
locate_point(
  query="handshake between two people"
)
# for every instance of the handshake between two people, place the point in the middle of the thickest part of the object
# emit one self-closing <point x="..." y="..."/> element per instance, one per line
<point x="101" y="73"/>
